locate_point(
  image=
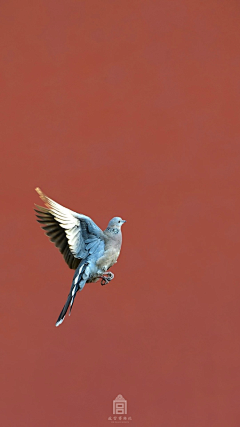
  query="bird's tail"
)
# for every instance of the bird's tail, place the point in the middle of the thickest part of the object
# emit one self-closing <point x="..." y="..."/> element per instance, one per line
<point x="79" y="279"/>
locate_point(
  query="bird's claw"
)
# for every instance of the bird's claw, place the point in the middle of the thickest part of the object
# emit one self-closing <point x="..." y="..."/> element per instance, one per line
<point x="106" y="278"/>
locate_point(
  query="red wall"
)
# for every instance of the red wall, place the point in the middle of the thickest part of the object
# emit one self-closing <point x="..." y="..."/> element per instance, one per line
<point x="127" y="108"/>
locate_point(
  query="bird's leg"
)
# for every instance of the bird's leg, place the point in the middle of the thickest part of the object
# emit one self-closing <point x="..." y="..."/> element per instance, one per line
<point x="106" y="278"/>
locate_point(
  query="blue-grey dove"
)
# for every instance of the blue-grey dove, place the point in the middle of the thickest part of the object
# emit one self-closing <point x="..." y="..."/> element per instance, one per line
<point x="84" y="246"/>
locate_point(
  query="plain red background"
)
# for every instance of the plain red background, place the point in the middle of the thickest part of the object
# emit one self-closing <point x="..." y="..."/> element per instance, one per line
<point x="127" y="108"/>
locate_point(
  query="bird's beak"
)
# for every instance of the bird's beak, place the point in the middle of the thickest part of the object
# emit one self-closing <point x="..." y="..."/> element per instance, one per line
<point x="124" y="221"/>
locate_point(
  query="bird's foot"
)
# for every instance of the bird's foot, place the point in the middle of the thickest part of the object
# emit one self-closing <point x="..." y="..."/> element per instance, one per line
<point x="106" y="278"/>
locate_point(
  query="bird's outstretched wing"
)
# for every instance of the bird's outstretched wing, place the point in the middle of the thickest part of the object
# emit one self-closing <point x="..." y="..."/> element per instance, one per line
<point x="75" y="235"/>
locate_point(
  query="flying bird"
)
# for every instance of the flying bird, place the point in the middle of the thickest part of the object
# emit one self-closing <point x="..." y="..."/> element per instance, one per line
<point x="85" y="247"/>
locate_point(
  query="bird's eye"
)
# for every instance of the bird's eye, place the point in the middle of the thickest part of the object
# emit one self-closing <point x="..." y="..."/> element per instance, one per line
<point x="119" y="221"/>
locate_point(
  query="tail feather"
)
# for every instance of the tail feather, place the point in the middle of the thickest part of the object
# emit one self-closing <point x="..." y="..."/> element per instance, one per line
<point x="64" y="310"/>
<point x="79" y="281"/>
<point x="71" y="303"/>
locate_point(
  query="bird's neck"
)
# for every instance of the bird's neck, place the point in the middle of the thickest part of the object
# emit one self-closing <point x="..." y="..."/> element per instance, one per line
<point x="113" y="239"/>
<point x="113" y="230"/>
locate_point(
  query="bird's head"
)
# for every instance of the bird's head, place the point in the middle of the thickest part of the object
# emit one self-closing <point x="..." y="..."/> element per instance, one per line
<point x="116" y="222"/>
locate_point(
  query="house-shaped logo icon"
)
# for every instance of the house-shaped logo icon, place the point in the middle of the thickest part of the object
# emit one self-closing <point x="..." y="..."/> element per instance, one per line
<point x="120" y="405"/>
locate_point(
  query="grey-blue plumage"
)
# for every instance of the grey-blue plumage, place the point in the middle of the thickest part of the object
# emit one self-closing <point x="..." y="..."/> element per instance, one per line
<point x="84" y="246"/>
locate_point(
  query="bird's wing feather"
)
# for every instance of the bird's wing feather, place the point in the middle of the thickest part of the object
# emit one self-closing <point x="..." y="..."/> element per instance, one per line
<point x="75" y="235"/>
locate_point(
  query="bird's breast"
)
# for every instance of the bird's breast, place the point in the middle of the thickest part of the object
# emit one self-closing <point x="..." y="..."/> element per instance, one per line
<point x="108" y="259"/>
